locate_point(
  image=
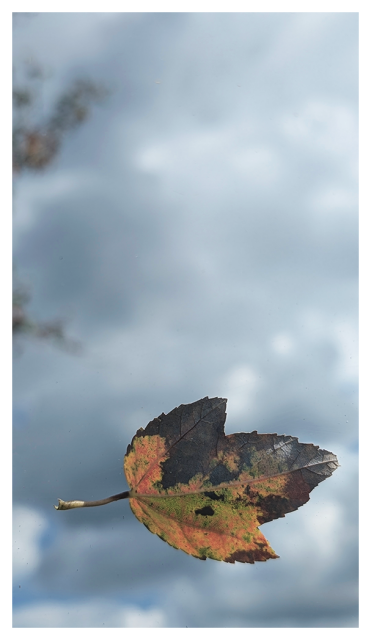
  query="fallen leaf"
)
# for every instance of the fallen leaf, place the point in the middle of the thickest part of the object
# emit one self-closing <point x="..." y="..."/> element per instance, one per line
<point x="207" y="493"/>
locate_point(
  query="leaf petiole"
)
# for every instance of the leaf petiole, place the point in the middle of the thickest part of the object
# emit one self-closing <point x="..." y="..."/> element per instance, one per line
<point x="77" y="504"/>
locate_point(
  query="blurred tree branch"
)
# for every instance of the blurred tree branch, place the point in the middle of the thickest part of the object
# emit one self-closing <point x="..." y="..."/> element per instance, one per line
<point x="37" y="139"/>
<point x="35" y="144"/>
<point x="23" y="325"/>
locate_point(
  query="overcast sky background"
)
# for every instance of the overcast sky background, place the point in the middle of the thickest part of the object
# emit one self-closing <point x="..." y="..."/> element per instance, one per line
<point x="200" y="234"/>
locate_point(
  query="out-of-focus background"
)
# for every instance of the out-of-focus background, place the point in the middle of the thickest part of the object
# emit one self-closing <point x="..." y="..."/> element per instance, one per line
<point x="185" y="224"/>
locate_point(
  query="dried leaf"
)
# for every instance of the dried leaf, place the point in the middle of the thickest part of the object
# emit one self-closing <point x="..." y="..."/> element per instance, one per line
<point x="206" y="493"/>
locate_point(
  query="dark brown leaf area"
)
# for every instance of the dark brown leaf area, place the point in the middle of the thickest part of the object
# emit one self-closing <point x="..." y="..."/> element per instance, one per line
<point x="192" y="433"/>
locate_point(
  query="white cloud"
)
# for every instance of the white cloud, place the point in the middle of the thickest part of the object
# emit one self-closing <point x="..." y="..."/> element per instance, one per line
<point x="336" y="200"/>
<point x="294" y="39"/>
<point x="346" y="337"/>
<point x="135" y="617"/>
<point x="37" y="192"/>
<point x="87" y="34"/>
<point x="282" y="343"/>
<point x="330" y="127"/>
<point x="259" y="164"/>
<point x="210" y="158"/>
<point x="317" y="327"/>
<point x="28" y="527"/>
<point x="323" y="529"/>
<point x="241" y="384"/>
<point x="95" y="613"/>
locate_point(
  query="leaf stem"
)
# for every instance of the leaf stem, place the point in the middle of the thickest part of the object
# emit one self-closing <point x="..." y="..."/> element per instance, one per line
<point x="76" y="504"/>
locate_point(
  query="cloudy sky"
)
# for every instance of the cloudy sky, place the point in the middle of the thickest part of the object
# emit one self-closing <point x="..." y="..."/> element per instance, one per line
<point x="199" y="236"/>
